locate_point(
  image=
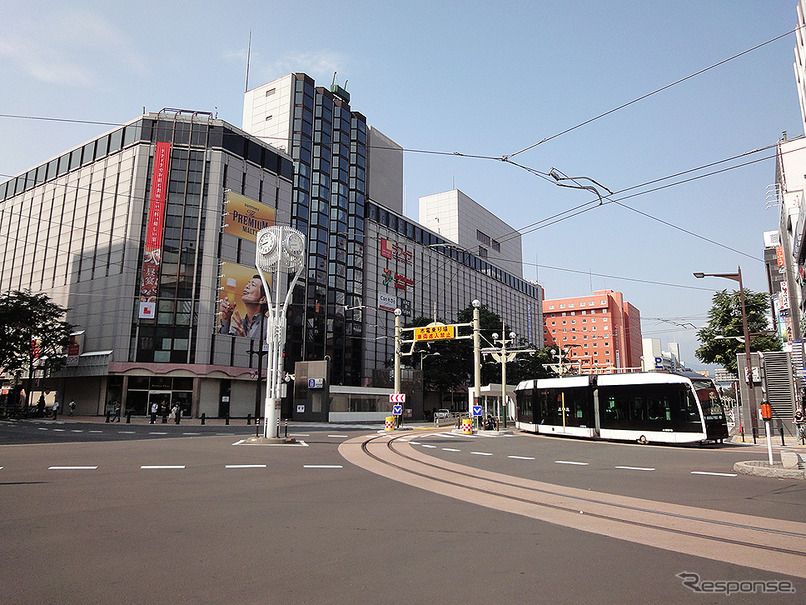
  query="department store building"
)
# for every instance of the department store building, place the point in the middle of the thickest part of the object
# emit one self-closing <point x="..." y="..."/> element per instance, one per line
<point x="143" y="231"/>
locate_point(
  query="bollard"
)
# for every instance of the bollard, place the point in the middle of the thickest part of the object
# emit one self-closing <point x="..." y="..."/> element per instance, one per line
<point x="248" y="419"/>
<point x="782" y="435"/>
<point x="754" y="435"/>
<point x="129" y="417"/>
<point x="286" y="428"/>
<point x="203" y="417"/>
<point x="227" y="419"/>
<point x="390" y="423"/>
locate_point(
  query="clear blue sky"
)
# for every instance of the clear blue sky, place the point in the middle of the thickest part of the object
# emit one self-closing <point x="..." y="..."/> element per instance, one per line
<point x="481" y="78"/>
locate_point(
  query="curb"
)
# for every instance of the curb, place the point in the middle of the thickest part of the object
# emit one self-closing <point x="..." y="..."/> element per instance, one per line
<point x="763" y="469"/>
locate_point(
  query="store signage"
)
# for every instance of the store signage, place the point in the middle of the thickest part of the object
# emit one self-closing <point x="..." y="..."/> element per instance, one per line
<point x="386" y="302"/>
<point x="153" y="245"/>
<point x="779" y="254"/>
<point x="400" y="281"/>
<point x="440" y="332"/>
<point x="392" y="251"/>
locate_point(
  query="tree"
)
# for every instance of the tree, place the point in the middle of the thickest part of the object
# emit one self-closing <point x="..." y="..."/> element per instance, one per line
<point x="32" y="333"/>
<point x="725" y="319"/>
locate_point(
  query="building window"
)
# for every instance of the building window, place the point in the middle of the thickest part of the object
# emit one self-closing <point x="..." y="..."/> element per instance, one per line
<point x="270" y="92"/>
<point x="496" y="245"/>
<point x="483" y="237"/>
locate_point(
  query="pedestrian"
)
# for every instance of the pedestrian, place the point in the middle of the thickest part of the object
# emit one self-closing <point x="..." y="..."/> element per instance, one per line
<point x="72" y="406"/>
<point x="177" y="412"/>
<point x="154" y="409"/>
<point x="40" y="405"/>
<point x="117" y="412"/>
<point x="164" y="412"/>
<point x="55" y="409"/>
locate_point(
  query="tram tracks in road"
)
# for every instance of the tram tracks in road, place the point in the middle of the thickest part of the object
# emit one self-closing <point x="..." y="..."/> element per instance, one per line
<point x="758" y="542"/>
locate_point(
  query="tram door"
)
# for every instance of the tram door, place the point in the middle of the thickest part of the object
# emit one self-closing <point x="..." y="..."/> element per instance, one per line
<point x="160" y="398"/>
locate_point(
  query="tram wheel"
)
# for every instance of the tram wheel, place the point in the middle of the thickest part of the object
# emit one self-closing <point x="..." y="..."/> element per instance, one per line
<point x="643" y="440"/>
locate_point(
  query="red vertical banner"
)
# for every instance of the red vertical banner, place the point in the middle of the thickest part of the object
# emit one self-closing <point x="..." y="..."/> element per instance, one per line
<point x="153" y="245"/>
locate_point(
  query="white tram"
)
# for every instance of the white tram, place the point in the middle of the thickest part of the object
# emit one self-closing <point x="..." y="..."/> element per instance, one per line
<point x="645" y="407"/>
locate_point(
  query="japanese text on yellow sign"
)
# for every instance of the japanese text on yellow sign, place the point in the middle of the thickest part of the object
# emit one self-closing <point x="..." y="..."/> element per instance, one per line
<point x="434" y="333"/>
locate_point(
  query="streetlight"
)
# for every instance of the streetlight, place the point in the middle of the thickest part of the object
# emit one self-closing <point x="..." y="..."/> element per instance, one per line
<point x="748" y="359"/>
<point x="504" y="357"/>
<point x="476" y="355"/>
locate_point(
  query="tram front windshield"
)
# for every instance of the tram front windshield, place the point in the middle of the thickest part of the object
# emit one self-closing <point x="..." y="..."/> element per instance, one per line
<point x="709" y="399"/>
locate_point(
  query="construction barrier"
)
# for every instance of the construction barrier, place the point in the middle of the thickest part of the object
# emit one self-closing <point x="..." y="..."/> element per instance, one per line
<point x="467" y="426"/>
<point x="390" y="423"/>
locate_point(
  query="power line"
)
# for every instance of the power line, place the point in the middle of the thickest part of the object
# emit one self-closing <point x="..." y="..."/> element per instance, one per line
<point x="649" y="94"/>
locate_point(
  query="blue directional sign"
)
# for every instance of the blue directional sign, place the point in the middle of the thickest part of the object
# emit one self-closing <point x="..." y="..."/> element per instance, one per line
<point x="477" y="410"/>
<point x="397" y="410"/>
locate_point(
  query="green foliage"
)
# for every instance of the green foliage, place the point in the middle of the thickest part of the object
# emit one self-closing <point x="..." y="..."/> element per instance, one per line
<point x="25" y="317"/>
<point x="725" y="319"/>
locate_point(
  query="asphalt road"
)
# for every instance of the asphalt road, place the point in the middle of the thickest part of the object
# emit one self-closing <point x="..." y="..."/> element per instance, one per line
<point x="134" y="517"/>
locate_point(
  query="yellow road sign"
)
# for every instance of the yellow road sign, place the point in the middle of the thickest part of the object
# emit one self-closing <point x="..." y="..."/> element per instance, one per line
<point x="441" y="332"/>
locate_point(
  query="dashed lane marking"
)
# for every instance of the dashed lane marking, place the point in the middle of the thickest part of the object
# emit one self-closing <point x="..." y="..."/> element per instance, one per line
<point x="570" y="462"/>
<point x="155" y="433"/>
<point x="245" y="466"/>
<point x="96" y="431"/>
<point x="433" y="447"/>
<point x="72" y="468"/>
<point x="132" y="433"/>
<point x="636" y="468"/>
<point x="713" y="474"/>
<point x="338" y="436"/>
<point x="162" y="467"/>
<point x="521" y="457"/>
<point x="482" y="453"/>
<point x="450" y="449"/>
<point x="322" y="466"/>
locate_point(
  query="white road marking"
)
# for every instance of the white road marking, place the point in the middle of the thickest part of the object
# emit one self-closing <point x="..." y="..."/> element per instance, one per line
<point x="451" y="449"/>
<point x="59" y="430"/>
<point x="433" y="447"/>
<point x="338" y="435"/>
<point x="191" y="433"/>
<point x="414" y="442"/>
<point x="41" y="428"/>
<point x="521" y="457"/>
<point x="132" y="433"/>
<point x="77" y="431"/>
<point x="96" y="431"/>
<point x="570" y="462"/>
<point x="245" y="466"/>
<point x="714" y="474"/>
<point x="165" y="467"/>
<point x="72" y="468"/>
<point x="322" y="466"/>
<point x="482" y="453"/>
<point x="636" y="468"/>
<point x="299" y="434"/>
<point x="153" y="433"/>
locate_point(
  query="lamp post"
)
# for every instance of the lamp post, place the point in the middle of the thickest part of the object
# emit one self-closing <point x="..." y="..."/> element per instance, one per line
<point x="279" y="250"/>
<point x="504" y="357"/>
<point x="748" y="359"/>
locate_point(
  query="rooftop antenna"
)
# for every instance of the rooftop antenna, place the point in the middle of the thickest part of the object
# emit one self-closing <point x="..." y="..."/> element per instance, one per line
<point x="248" y="56"/>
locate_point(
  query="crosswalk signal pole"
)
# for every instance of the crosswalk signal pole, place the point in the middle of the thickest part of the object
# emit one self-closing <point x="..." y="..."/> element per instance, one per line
<point x="398" y="313"/>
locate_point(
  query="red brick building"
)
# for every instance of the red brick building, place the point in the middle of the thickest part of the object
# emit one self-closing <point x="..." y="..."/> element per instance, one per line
<point x="600" y="331"/>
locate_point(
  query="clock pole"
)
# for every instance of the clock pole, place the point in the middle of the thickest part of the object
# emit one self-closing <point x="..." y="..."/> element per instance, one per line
<point x="280" y="250"/>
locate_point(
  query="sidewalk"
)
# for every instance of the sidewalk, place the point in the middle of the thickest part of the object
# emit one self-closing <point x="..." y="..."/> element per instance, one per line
<point x="141" y="420"/>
